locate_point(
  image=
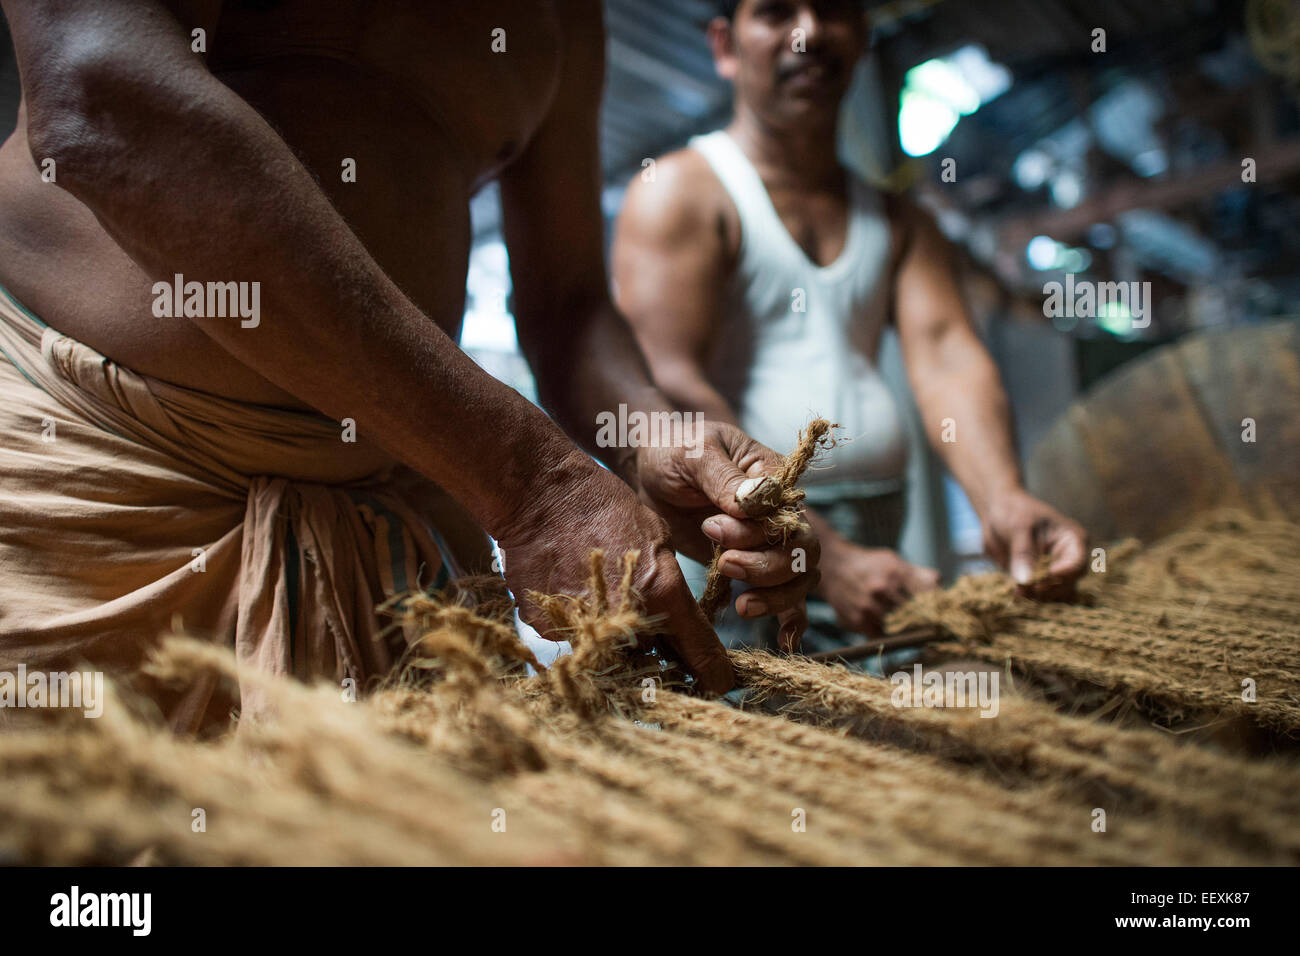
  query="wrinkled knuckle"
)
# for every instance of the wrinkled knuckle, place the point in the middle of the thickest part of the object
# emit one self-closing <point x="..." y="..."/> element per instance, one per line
<point x="657" y="585"/>
<point x="658" y="523"/>
<point x="664" y="581"/>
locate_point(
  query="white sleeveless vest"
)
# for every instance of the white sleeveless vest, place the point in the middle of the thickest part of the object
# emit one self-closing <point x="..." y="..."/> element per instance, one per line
<point x="778" y="366"/>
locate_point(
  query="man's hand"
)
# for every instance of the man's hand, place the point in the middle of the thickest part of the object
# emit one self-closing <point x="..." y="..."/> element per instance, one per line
<point x="1019" y="529"/>
<point x="688" y="490"/>
<point x="584" y="507"/>
<point x="865" y="584"/>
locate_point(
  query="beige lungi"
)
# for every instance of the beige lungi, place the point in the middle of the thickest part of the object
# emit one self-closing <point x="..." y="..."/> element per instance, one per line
<point x="131" y="508"/>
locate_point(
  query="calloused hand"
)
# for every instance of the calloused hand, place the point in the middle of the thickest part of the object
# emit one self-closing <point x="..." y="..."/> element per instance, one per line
<point x="693" y="487"/>
<point x="1019" y="529"/>
<point x="584" y="507"/>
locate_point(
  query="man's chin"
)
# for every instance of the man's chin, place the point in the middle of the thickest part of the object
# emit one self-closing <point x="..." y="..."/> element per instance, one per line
<point x="809" y="109"/>
<point x="813" y="95"/>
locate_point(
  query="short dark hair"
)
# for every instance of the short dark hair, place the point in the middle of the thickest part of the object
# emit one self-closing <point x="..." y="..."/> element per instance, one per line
<point x="727" y="8"/>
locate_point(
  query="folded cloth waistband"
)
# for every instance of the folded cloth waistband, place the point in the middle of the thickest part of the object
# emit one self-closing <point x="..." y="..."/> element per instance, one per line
<point x="131" y="507"/>
<point x="230" y="441"/>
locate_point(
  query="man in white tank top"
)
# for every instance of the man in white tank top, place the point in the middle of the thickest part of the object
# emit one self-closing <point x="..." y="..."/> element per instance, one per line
<point x="759" y="273"/>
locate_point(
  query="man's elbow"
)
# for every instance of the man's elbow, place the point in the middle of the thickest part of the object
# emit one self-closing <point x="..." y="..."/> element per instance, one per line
<point x="81" y="119"/>
<point x="63" y="143"/>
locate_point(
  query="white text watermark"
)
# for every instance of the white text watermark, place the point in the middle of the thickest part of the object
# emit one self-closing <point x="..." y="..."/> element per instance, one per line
<point x="69" y="689"/>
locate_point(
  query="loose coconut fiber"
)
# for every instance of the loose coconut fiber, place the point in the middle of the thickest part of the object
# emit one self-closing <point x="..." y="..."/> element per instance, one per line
<point x="776" y="500"/>
<point x="465" y="760"/>
<point x="1200" y="628"/>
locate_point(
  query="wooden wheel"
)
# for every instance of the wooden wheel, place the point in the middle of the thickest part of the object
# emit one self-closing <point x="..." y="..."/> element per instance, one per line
<point x="1163" y="438"/>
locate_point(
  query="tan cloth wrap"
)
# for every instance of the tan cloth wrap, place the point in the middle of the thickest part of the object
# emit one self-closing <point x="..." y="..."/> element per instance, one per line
<point x="112" y="485"/>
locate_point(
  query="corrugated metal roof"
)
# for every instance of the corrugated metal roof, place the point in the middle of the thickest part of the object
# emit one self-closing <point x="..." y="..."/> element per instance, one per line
<point x="660" y="84"/>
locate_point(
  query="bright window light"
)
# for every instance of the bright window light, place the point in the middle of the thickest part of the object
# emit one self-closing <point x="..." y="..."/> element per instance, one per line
<point x="1043" y="252"/>
<point x="943" y="81"/>
<point x="924" y="122"/>
<point x="1032" y="168"/>
<point x="939" y="92"/>
<point x="1067" y="189"/>
<point x="488" y="323"/>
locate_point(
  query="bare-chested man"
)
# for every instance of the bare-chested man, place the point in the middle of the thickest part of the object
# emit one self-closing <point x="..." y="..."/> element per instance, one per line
<point x="264" y="480"/>
<point x="758" y="274"/>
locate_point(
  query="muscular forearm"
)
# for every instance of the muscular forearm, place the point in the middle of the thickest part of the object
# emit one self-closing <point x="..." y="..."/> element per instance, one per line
<point x="189" y="179"/>
<point x="967" y="417"/>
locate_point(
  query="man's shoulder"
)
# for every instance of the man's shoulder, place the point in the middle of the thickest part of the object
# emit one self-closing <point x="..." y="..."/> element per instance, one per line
<point x="677" y="194"/>
<point x="682" y="178"/>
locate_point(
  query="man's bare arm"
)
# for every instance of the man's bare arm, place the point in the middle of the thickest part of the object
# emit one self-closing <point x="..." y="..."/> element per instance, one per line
<point x="579" y="344"/>
<point x="952" y="374"/>
<point x="954" y="378"/>
<point x="584" y="354"/>
<point x="189" y="179"/>
<point x="671" y="261"/>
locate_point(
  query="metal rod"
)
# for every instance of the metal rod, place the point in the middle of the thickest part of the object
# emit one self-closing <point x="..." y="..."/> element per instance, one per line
<point x="856" y="652"/>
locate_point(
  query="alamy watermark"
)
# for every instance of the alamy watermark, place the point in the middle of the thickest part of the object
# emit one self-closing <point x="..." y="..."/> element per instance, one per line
<point x="209" y="300"/>
<point x="75" y="908"/>
<point x="39" y="689"/>
<point x="946" y="689"/>
<point x="1085" y="299"/>
<point x="638" y="429"/>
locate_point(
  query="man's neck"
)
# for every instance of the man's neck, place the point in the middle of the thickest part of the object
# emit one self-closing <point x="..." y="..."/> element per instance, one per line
<point x="803" y="158"/>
